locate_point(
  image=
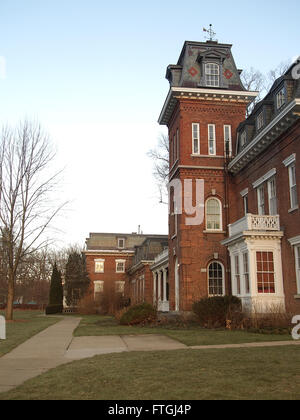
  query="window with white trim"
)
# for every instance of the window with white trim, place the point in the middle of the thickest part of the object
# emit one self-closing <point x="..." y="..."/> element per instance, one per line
<point x="211" y="139"/>
<point x="293" y="186"/>
<point x="120" y="266"/>
<point x="121" y="243"/>
<point x="227" y="140"/>
<point x="243" y="138"/>
<point x="196" y="138"/>
<point x="297" y="256"/>
<point x="213" y="214"/>
<point x="261" y="200"/>
<point x="120" y="287"/>
<point x="260" y="121"/>
<point x="212" y="75"/>
<point x="98" y="287"/>
<point x="265" y="272"/>
<point x="237" y="274"/>
<point x="272" y="196"/>
<point x="99" y="266"/>
<point x="215" y="279"/>
<point x="280" y="99"/>
<point x="246" y="272"/>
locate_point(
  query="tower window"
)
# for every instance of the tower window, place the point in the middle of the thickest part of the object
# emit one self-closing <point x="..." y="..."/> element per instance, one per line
<point x="212" y="139"/>
<point x="213" y="214"/>
<point x="212" y="75"/>
<point x="215" y="279"/>
<point x="196" y="139"/>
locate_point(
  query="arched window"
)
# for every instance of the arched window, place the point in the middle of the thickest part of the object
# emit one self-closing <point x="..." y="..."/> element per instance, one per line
<point x="213" y="214"/>
<point x="215" y="279"/>
<point x="212" y="75"/>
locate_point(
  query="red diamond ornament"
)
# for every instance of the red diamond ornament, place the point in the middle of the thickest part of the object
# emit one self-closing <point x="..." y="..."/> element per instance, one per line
<point x="228" y="74"/>
<point x="193" y="71"/>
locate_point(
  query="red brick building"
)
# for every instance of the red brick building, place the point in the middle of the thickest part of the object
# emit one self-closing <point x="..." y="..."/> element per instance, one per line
<point x="245" y="239"/>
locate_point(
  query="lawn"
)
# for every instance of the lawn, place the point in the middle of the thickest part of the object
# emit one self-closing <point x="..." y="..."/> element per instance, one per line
<point x="25" y="325"/>
<point x="93" y="325"/>
<point x="231" y="374"/>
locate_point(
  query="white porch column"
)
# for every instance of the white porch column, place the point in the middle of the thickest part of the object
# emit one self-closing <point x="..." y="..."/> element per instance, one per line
<point x="154" y="288"/>
<point x="159" y="285"/>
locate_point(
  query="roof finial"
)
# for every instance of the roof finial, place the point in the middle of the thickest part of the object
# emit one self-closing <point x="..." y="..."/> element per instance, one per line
<point x="211" y="33"/>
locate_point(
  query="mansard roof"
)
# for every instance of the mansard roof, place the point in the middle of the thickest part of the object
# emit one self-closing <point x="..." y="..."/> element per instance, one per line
<point x="275" y="120"/>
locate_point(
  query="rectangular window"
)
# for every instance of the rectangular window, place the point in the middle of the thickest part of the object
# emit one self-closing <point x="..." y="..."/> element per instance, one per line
<point x="211" y="139"/>
<point x="99" y="266"/>
<point x="174" y="149"/>
<point x="243" y="138"/>
<point x="227" y="140"/>
<point x="237" y="275"/>
<point x="261" y="200"/>
<point x="120" y="287"/>
<point x="98" y="287"/>
<point x="121" y="243"/>
<point x="246" y="204"/>
<point x="177" y="145"/>
<point x="196" y="139"/>
<point x="265" y="272"/>
<point x="246" y="272"/>
<point x="260" y="121"/>
<point x="120" y="266"/>
<point x="297" y="255"/>
<point x="280" y="99"/>
<point x="293" y="186"/>
<point x="272" y="196"/>
<point x="212" y="75"/>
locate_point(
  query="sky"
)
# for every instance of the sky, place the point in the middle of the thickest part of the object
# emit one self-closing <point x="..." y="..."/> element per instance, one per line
<point x="93" y="74"/>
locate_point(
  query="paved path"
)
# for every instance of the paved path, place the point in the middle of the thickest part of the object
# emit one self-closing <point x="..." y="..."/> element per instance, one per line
<point x="56" y="346"/>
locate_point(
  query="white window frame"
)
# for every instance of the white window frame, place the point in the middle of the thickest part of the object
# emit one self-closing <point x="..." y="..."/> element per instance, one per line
<point x="293" y="186"/>
<point x="280" y="99"/>
<point x="272" y="197"/>
<point x="237" y="275"/>
<point x="295" y="243"/>
<point x="98" y="283"/>
<point x="124" y="266"/>
<point x="121" y="239"/>
<point x="196" y="138"/>
<point x="246" y="273"/>
<point x="99" y="270"/>
<point x="211" y="139"/>
<point x="212" y="75"/>
<point x="261" y="205"/>
<point x="228" y="139"/>
<point x="221" y="215"/>
<point x="297" y="266"/>
<point x="223" y="277"/>
<point x="260" y="121"/>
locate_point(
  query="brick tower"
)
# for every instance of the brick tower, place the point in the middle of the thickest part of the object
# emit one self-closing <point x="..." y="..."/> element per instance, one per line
<point x="204" y="107"/>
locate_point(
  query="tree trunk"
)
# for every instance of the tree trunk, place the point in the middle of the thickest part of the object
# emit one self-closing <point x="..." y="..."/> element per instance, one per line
<point x="10" y="296"/>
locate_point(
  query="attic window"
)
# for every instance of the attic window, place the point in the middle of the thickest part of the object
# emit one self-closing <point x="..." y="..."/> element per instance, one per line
<point x="212" y="75"/>
<point x="280" y="98"/>
<point x="260" y="121"/>
<point x="121" y="243"/>
<point x="243" y="138"/>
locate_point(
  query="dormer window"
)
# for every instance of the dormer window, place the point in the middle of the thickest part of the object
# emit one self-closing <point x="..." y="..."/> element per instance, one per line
<point x="280" y="99"/>
<point x="260" y="121"/>
<point x="212" y="75"/>
<point x="243" y="138"/>
<point x="121" y="243"/>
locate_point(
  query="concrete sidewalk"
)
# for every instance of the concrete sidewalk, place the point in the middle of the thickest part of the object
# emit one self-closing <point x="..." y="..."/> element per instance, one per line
<point x="40" y="353"/>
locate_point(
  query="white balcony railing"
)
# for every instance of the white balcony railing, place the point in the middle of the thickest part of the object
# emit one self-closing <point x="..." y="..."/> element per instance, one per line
<point x="253" y="222"/>
<point x="162" y="256"/>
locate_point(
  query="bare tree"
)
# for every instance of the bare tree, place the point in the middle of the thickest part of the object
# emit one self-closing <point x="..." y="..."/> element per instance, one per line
<point x="274" y="74"/>
<point x="26" y="187"/>
<point x="160" y="157"/>
<point x="253" y="80"/>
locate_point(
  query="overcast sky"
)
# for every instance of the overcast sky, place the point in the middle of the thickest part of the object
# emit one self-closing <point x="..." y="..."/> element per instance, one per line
<point x="93" y="73"/>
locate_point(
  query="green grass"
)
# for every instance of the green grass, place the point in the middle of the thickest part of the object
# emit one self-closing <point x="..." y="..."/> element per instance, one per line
<point x="25" y="325"/>
<point x="93" y="325"/>
<point x="230" y="374"/>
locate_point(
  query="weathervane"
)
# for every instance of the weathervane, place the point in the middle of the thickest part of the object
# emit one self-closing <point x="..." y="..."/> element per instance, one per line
<point x="211" y="33"/>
